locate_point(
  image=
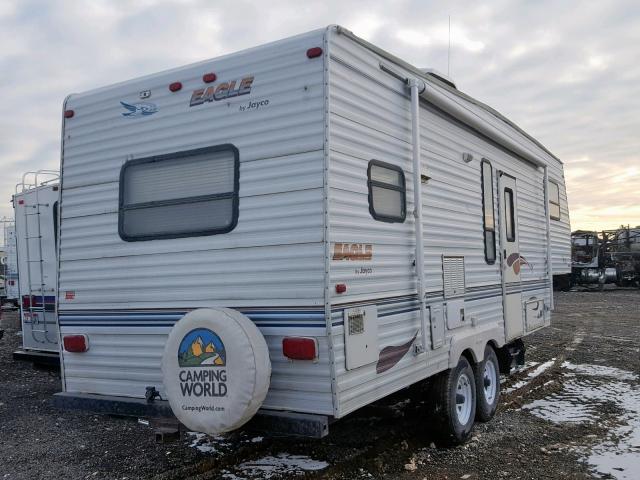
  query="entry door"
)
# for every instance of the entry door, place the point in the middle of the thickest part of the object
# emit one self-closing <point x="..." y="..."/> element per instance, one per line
<point x="510" y="257"/>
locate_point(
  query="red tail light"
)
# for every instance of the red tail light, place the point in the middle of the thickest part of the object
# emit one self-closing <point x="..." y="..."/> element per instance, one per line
<point x="26" y="302"/>
<point x="314" y="52"/>
<point x="69" y="113"/>
<point x="209" y="77"/>
<point x="175" y="86"/>
<point x="300" y="348"/>
<point x="75" y="343"/>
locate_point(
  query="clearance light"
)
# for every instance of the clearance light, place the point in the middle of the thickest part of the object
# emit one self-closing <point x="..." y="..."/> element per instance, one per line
<point x="75" y="343"/>
<point x="314" y="52"/>
<point x="175" y="86"/>
<point x="209" y="77"/>
<point x="69" y="113"/>
<point x="341" y="288"/>
<point x="26" y="302"/>
<point x="300" y="348"/>
<point x="20" y="202"/>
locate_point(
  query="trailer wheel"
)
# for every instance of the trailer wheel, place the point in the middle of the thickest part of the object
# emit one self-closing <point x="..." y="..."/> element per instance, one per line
<point x="487" y="377"/>
<point x="453" y="402"/>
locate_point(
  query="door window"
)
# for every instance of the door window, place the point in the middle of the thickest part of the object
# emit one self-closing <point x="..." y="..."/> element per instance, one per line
<point x="510" y="223"/>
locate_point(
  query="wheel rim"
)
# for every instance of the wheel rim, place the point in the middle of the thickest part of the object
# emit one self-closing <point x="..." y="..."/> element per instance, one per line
<point x="463" y="398"/>
<point x="490" y="382"/>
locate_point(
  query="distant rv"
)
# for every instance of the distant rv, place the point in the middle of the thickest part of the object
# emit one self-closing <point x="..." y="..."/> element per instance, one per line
<point x="35" y="206"/>
<point x="11" y="294"/>
<point x="247" y="240"/>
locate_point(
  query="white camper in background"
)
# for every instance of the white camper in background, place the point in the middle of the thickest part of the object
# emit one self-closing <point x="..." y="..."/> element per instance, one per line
<point x="35" y="208"/>
<point x="11" y="294"/>
<point x="240" y="233"/>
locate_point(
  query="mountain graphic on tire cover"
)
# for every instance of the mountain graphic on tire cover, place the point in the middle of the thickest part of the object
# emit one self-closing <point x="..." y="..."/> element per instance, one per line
<point x="201" y="347"/>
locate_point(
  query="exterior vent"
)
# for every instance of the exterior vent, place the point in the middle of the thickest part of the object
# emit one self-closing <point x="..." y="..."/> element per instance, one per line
<point x="453" y="276"/>
<point x="430" y="72"/>
<point x="356" y="322"/>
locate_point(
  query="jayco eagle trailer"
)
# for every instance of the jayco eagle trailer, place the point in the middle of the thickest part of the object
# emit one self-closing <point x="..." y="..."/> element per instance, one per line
<point x="239" y="234"/>
<point x="35" y="205"/>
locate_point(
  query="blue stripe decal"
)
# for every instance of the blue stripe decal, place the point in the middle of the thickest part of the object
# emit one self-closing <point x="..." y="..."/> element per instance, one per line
<point x="481" y="295"/>
<point x="398" y="312"/>
<point x="131" y="324"/>
<point x="300" y="319"/>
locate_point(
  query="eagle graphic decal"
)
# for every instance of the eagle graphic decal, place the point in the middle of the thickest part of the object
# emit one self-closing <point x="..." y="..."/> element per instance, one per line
<point x="516" y="260"/>
<point x="140" y="109"/>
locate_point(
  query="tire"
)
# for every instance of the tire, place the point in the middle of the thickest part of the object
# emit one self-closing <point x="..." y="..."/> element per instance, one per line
<point x="452" y="418"/>
<point x="487" y="377"/>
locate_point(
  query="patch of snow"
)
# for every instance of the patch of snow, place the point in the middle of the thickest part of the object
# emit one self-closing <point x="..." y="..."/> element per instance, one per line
<point x="558" y="410"/>
<point x="517" y="369"/>
<point x="600" y="371"/>
<point x="206" y="443"/>
<point x="587" y="389"/>
<point x="284" y="464"/>
<point x="231" y="476"/>
<point x="530" y="376"/>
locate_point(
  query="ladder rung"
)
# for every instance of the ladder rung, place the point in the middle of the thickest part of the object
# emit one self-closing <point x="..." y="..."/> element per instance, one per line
<point x="30" y="238"/>
<point x="33" y="261"/>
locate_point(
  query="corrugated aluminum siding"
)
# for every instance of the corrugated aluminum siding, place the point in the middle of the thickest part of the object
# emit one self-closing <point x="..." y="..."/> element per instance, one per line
<point x="273" y="259"/>
<point x="370" y="119"/>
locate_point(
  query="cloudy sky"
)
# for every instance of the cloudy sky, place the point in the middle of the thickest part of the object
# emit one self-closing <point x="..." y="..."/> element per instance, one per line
<point x="567" y="72"/>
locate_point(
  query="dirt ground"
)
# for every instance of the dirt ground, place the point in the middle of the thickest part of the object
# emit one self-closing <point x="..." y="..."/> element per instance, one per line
<point x="572" y="412"/>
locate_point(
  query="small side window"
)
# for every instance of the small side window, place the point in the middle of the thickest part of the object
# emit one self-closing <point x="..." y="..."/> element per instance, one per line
<point x="387" y="192"/>
<point x="488" y="217"/>
<point x="554" y="201"/>
<point x="55" y="223"/>
<point x="510" y="223"/>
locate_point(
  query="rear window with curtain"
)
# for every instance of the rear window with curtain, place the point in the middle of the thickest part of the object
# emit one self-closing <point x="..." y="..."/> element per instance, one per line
<point x="184" y="194"/>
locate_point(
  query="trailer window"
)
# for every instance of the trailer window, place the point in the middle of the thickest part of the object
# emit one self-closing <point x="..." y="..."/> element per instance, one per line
<point x="510" y="223"/>
<point x="489" y="221"/>
<point x="387" y="192"/>
<point x="183" y="194"/>
<point x="55" y="225"/>
<point x="554" y="201"/>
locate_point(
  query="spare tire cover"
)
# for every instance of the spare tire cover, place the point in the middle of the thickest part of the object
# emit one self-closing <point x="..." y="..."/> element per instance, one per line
<point x="216" y="369"/>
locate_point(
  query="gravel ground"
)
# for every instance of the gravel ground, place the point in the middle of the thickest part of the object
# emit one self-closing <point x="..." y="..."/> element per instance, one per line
<point x="572" y="412"/>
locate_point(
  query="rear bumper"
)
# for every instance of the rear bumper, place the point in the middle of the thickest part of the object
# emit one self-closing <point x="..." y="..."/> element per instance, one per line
<point x="49" y="359"/>
<point x="110" y="405"/>
<point x="271" y="421"/>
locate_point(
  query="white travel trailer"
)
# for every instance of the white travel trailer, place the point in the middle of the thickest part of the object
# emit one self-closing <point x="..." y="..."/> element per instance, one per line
<point x="35" y="206"/>
<point x="276" y="188"/>
<point x="11" y="294"/>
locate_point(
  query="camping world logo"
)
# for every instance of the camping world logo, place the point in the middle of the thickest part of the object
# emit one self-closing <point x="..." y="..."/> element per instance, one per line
<point x="202" y="348"/>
